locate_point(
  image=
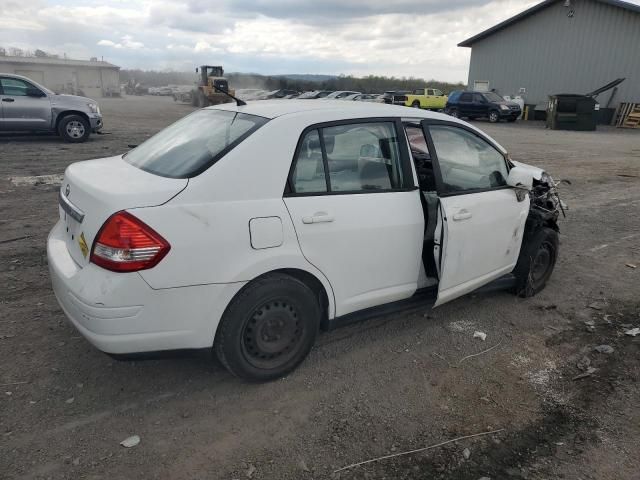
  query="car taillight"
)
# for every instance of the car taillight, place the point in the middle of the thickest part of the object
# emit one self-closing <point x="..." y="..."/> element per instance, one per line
<point x="127" y="244"/>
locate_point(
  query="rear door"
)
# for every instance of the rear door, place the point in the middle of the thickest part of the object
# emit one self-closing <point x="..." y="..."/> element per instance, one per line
<point x="22" y="112"/>
<point x="356" y="210"/>
<point x="483" y="221"/>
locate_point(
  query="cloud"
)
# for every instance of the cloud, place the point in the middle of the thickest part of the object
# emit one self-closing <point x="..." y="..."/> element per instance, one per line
<point x="401" y="38"/>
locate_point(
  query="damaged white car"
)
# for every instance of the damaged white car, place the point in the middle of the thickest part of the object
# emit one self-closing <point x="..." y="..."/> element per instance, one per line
<point x="247" y="228"/>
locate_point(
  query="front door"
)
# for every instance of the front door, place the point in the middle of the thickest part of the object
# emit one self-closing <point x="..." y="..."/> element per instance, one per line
<point x="356" y="210"/>
<point x="483" y="220"/>
<point x="20" y="111"/>
<point x="465" y="104"/>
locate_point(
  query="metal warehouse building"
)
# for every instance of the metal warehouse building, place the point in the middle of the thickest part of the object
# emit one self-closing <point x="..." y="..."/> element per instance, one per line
<point x="561" y="46"/>
<point x="89" y="78"/>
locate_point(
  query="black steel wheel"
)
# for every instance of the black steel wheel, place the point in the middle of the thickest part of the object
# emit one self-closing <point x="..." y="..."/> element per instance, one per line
<point x="269" y="328"/>
<point x="536" y="262"/>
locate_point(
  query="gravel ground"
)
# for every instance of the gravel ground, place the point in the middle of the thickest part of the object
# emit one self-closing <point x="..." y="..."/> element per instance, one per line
<point x="367" y="390"/>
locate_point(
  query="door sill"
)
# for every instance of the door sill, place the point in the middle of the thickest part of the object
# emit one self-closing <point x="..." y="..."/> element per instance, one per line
<point x="424" y="297"/>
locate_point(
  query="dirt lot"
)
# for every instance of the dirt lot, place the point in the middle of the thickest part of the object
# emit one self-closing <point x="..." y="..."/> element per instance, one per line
<point x="368" y="390"/>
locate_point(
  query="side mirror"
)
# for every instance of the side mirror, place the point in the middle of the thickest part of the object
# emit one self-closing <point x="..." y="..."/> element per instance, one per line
<point x="34" y="92"/>
<point x="520" y="178"/>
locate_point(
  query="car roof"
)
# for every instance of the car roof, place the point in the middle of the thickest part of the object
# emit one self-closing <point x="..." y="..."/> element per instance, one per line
<point x="343" y="111"/>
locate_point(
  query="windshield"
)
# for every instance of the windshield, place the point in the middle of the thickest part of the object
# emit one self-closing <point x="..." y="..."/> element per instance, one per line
<point x="194" y="143"/>
<point x="493" y="97"/>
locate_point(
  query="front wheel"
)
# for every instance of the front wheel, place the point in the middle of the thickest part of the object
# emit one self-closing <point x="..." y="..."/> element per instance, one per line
<point x="268" y="328"/>
<point x="494" y="117"/>
<point x="74" y="128"/>
<point x="536" y="262"/>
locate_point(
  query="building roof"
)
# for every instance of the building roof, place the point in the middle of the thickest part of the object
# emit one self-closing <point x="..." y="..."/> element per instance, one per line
<point x="56" y="61"/>
<point x="535" y="9"/>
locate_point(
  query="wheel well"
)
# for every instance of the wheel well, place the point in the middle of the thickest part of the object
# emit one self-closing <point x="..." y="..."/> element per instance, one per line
<point x="66" y="113"/>
<point x="316" y="286"/>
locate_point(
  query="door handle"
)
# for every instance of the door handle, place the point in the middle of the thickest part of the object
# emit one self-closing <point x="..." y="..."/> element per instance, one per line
<point x="462" y="215"/>
<point x="319" y="217"/>
<point x="8" y="100"/>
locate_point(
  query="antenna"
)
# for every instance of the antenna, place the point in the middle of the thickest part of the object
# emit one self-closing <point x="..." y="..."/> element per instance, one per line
<point x="238" y="101"/>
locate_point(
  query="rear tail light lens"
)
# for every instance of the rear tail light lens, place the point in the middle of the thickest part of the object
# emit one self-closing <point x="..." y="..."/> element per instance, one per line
<point x="127" y="244"/>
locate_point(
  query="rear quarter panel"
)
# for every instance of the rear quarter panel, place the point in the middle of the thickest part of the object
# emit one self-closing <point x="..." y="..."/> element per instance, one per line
<point x="207" y="225"/>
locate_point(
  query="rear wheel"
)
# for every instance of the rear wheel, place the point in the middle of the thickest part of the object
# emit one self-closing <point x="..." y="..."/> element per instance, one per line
<point x="536" y="262"/>
<point x="268" y="329"/>
<point x="494" y="116"/>
<point x="74" y="128"/>
<point x="415" y="104"/>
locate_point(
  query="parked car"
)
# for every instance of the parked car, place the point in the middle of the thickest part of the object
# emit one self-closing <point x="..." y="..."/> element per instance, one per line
<point x="27" y="106"/>
<point x="428" y="98"/>
<point x="474" y="105"/>
<point x="246" y="229"/>
<point x="315" y="94"/>
<point x="395" y="97"/>
<point x="282" y="93"/>
<point x="363" y="97"/>
<point x="340" y="94"/>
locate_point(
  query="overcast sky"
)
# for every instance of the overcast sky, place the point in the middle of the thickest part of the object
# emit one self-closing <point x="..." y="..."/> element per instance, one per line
<point x="388" y="37"/>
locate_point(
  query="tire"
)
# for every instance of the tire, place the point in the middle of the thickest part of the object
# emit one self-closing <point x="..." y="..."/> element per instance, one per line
<point x="415" y="104"/>
<point x="536" y="262"/>
<point x="74" y="128"/>
<point x="268" y="328"/>
<point x="494" y="116"/>
<point x="454" y="113"/>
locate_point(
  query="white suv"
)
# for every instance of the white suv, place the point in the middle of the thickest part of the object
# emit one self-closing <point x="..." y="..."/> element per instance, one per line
<point x="248" y="228"/>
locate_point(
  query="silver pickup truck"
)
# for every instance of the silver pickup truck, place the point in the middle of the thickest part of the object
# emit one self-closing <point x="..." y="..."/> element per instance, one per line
<point x="26" y="106"/>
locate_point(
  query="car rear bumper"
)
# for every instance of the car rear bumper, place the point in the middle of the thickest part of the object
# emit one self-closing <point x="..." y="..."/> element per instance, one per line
<point x="119" y="313"/>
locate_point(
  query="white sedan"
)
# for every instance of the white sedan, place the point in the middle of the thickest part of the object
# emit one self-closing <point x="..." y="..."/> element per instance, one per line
<point x="246" y="229"/>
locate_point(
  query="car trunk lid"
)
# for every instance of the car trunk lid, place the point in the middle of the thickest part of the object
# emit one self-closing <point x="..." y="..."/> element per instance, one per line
<point x="94" y="190"/>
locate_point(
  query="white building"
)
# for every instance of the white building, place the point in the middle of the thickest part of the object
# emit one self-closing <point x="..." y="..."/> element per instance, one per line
<point x="81" y="77"/>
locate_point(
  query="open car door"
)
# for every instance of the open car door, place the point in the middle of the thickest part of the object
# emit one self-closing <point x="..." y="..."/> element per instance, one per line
<point x="482" y="220"/>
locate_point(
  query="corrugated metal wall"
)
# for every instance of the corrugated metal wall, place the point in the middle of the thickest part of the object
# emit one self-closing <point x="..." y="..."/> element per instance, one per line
<point x="550" y="52"/>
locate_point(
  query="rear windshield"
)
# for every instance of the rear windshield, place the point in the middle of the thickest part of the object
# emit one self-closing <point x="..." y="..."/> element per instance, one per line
<point x="194" y="143"/>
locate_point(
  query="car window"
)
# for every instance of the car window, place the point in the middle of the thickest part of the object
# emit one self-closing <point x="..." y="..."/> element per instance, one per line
<point x="14" y="87"/>
<point x="358" y="157"/>
<point x="478" y="98"/>
<point x="467" y="162"/>
<point x="437" y="92"/>
<point x="308" y="174"/>
<point x="465" y="97"/>
<point x="419" y="91"/>
<point x="194" y="143"/>
<point x="363" y="157"/>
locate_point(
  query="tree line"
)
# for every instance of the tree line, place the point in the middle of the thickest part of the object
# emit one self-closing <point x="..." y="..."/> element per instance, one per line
<point x="368" y="84"/>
